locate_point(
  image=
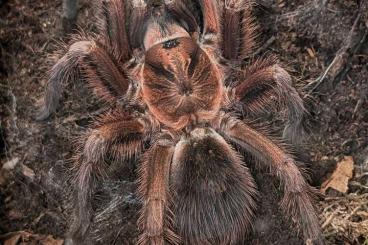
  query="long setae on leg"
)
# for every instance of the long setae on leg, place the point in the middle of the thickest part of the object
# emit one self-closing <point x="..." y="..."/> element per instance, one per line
<point x="85" y="60"/>
<point x="118" y="136"/>
<point x="181" y="13"/>
<point x="214" y="191"/>
<point x="113" y="28"/>
<point x="155" y="221"/>
<point x="137" y="20"/>
<point x="265" y="84"/>
<point x="298" y="194"/>
<point x="211" y="22"/>
<point x="238" y="30"/>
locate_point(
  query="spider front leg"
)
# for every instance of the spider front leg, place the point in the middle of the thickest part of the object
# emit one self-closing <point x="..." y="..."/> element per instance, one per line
<point x="211" y="22"/>
<point x="120" y="27"/>
<point x="137" y="20"/>
<point x="117" y="135"/>
<point x="298" y="194"/>
<point x="238" y="30"/>
<point x="88" y="61"/>
<point x="181" y="13"/>
<point x="155" y="222"/>
<point x="266" y="84"/>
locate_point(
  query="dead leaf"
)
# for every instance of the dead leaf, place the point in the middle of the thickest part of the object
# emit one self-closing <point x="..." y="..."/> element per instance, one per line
<point x="27" y="238"/>
<point x="28" y="172"/>
<point x="311" y="52"/>
<point x="49" y="240"/>
<point x="13" y="240"/>
<point x="340" y="177"/>
<point x="6" y="168"/>
<point x="9" y="165"/>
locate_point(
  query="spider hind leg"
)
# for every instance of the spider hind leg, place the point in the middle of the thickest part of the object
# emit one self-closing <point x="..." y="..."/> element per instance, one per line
<point x="116" y="135"/>
<point x="298" y="200"/>
<point x="155" y="216"/>
<point x="214" y="191"/>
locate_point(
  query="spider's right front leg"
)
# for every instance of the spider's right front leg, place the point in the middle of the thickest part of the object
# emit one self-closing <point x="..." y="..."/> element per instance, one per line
<point x="238" y="30"/>
<point x="88" y="61"/>
<point x="117" y="135"/>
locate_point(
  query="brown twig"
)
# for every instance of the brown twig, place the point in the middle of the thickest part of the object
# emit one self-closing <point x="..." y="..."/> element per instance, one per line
<point x="265" y="46"/>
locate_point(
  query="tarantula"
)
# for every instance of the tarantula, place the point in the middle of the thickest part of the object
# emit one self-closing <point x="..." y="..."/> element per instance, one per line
<point x="174" y="72"/>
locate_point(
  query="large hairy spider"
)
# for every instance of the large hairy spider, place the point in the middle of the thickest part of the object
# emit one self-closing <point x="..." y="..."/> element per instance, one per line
<point x="174" y="73"/>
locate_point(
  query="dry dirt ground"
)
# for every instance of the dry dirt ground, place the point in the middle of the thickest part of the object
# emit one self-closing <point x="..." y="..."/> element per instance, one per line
<point x="306" y="35"/>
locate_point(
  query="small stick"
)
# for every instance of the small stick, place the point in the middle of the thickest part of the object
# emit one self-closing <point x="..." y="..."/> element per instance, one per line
<point x="264" y="46"/>
<point x="328" y="220"/>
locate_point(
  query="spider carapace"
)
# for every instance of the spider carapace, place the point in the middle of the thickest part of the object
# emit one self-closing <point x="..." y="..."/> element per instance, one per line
<point x="175" y="74"/>
<point x="180" y="83"/>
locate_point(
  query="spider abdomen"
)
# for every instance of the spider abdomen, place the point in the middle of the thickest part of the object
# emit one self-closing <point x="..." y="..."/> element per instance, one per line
<point x="181" y="83"/>
<point x="214" y="191"/>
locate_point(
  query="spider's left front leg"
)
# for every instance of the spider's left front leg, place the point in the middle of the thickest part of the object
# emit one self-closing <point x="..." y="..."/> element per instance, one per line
<point x="155" y="221"/>
<point x="298" y="194"/>
<point x="211" y="22"/>
<point x="266" y="84"/>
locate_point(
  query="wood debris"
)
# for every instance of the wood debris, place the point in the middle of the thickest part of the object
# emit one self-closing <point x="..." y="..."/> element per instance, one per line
<point x="340" y="177"/>
<point x="27" y="238"/>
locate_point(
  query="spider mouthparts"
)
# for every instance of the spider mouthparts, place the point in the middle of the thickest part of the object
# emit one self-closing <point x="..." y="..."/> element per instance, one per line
<point x="185" y="90"/>
<point x="200" y="132"/>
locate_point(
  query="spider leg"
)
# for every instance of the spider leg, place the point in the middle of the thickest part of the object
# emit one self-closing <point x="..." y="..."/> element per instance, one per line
<point x="266" y="84"/>
<point x="181" y="13"/>
<point x="155" y="219"/>
<point x="298" y="194"/>
<point x="113" y="28"/>
<point x="238" y="29"/>
<point x="125" y="134"/>
<point x="137" y="19"/>
<point x="214" y="191"/>
<point x="211" y="21"/>
<point x="88" y="61"/>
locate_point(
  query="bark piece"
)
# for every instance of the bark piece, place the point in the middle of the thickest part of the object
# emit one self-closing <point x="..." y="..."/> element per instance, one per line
<point x="340" y="177"/>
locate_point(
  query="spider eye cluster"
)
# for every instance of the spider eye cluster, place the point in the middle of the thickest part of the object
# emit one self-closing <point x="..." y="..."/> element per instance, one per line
<point x="170" y="44"/>
<point x="166" y="36"/>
